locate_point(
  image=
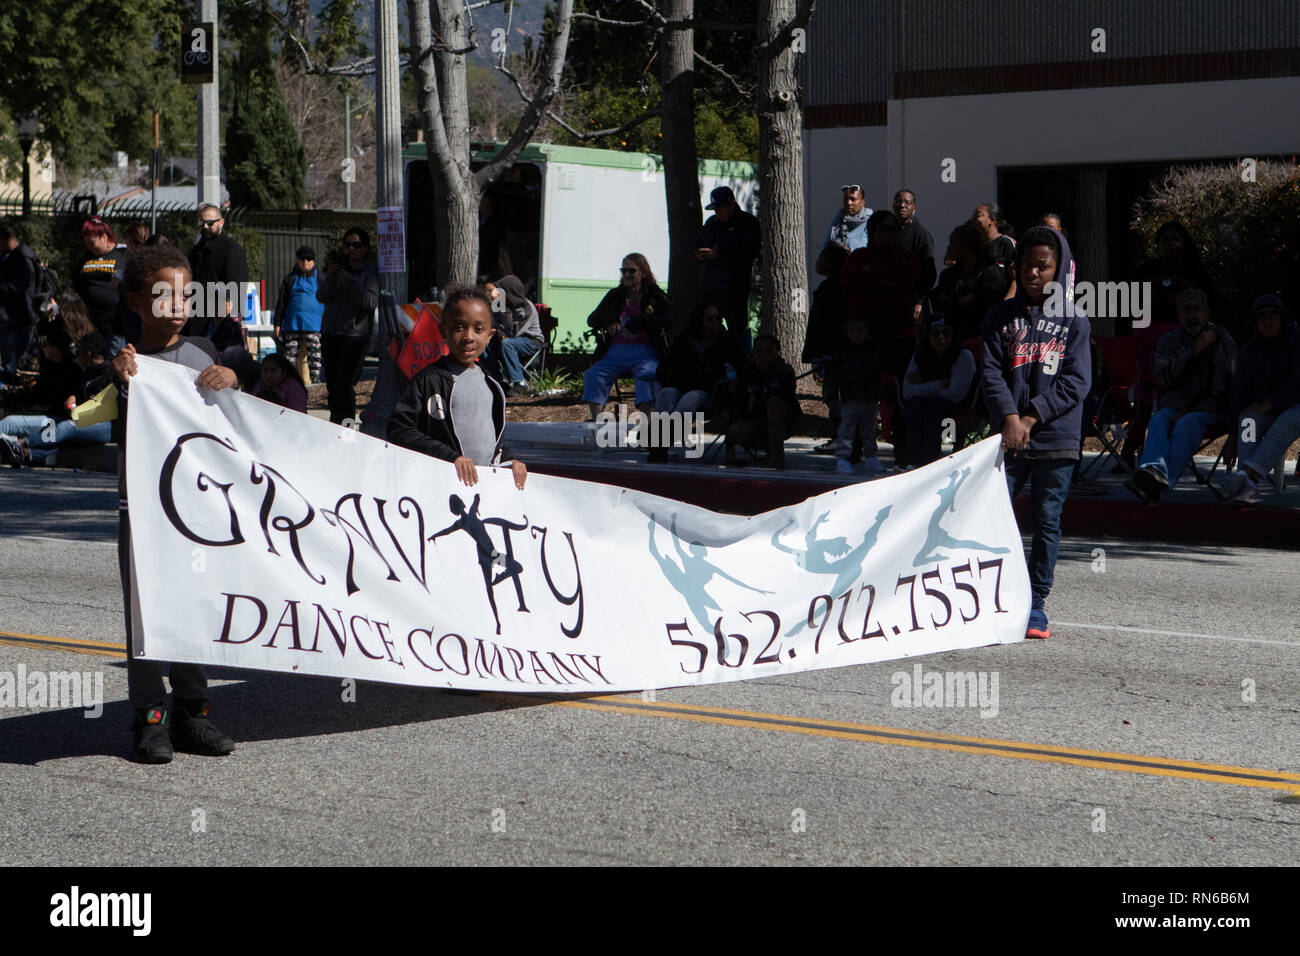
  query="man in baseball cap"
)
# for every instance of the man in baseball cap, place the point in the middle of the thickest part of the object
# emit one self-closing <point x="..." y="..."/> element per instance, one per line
<point x="1193" y="369"/>
<point x="728" y="245"/>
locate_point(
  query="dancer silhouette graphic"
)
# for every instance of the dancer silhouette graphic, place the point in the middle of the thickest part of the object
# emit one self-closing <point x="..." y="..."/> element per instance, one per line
<point x="939" y="538"/>
<point x="692" y="578"/>
<point x="489" y="558"/>
<point x="816" y="555"/>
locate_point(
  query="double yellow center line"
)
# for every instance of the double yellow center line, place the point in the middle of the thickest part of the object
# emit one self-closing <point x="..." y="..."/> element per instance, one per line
<point x="840" y="730"/>
<point x="1017" y="750"/>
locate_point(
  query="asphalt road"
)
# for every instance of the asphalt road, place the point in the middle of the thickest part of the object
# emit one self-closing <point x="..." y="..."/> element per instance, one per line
<point x="1165" y="664"/>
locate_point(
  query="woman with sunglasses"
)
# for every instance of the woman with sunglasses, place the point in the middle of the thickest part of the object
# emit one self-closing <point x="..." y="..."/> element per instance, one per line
<point x="631" y="323"/>
<point x="937" y="383"/>
<point x="350" y="291"/>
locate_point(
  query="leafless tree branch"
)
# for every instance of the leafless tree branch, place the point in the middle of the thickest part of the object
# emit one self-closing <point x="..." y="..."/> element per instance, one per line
<point x="743" y="91"/>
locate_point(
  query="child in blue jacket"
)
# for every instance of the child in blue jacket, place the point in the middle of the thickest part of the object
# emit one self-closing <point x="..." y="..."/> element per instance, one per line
<point x="1036" y="372"/>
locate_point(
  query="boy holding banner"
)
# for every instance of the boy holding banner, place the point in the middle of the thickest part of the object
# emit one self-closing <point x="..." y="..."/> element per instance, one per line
<point x="155" y="290"/>
<point x="454" y="389"/>
<point x="1036" y="372"/>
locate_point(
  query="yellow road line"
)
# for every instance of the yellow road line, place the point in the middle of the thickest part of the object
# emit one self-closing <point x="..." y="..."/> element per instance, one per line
<point x="62" y="644"/>
<point x="841" y="730"/>
<point x="983" y="746"/>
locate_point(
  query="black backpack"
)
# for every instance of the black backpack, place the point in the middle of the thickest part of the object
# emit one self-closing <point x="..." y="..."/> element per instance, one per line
<point x="46" y="288"/>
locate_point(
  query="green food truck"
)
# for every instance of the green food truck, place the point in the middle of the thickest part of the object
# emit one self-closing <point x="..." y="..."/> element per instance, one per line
<point x="561" y="219"/>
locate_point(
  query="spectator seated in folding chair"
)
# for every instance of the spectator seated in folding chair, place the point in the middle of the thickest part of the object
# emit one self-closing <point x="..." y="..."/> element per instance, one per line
<point x="761" y="404"/>
<point x="1193" y="369"/>
<point x="1142" y="392"/>
<point x="696" y="362"/>
<point x="1265" y="399"/>
<point x="516" y="334"/>
<point x="536" y="363"/>
<point x="936" y="386"/>
<point x="630" y="325"/>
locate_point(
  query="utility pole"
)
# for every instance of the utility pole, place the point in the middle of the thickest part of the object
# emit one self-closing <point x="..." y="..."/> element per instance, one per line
<point x="209" y="119"/>
<point x="388" y="202"/>
<point x="348" y="165"/>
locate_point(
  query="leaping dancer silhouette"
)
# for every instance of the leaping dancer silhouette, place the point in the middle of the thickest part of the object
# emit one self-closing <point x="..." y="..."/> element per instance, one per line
<point x="939" y="538"/>
<point x="489" y="558"/>
<point x="691" y="579"/>
<point x="816" y="555"/>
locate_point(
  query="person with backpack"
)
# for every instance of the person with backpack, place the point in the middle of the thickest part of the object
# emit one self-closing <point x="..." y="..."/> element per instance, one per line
<point x="17" y="288"/>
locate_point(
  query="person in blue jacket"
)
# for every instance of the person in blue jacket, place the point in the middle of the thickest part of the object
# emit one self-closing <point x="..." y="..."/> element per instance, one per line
<point x="297" y="317"/>
<point x="1036" y="372"/>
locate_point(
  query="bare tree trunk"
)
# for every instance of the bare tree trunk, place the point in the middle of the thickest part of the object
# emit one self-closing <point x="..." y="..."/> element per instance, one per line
<point x="783" y="265"/>
<point x="441" y="90"/>
<point x="681" y="162"/>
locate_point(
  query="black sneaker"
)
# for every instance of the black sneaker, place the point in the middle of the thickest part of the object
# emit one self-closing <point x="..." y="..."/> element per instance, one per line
<point x="193" y="733"/>
<point x="14" y="452"/>
<point x="150" y="740"/>
<point x="825" y="448"/>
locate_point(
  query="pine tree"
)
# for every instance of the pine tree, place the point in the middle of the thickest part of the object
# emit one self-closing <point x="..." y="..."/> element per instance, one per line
<point x="265" y="162"/>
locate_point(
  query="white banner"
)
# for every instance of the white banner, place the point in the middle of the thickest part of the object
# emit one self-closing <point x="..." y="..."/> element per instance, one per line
<point x="272" y="540"/>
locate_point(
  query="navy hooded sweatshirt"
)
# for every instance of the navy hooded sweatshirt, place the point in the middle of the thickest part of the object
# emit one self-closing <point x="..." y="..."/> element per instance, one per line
<point x="1036" y="361"/>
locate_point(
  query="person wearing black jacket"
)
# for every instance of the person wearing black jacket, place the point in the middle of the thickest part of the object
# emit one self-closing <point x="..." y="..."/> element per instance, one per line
<point x="44" y="408"/>
<point x="826" y="314"/>
<point x="969" y="287"/>
<point x="696" y="362"/>
<point x="631" y="325"/>
<point x="454" y="389"/>
<point x="762" y="403"/>
<point x="17" y="286"/>
<point x="729" y="243"/>
<point x="914" y="237"/>
<point x="100" y="278"/>
<point x="217" y="258"/>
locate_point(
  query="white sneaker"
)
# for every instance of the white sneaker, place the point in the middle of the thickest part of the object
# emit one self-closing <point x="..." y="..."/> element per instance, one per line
<point x="873" y="466"/>
<point x="843" y="467"/>
<point x="1245" y="491"/>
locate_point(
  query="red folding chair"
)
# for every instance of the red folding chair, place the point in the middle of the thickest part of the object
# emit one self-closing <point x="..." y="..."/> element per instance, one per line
<point x="1120" y="354"/>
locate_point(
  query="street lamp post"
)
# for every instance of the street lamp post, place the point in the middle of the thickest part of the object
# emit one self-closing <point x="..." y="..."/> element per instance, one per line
<point x="27" y="129"/>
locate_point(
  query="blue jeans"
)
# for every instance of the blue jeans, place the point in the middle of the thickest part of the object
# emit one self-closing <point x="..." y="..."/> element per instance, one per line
<point x="1051" y="483"/>
<point x="641" y="361"/>
<point x="1171" y="444"/>
<point x="45" y="434"/>
<point x="506" y="357"/>
<point x="15" y="340"/>
<point x="1273" y="435"/>
<point x="673" y="400"/>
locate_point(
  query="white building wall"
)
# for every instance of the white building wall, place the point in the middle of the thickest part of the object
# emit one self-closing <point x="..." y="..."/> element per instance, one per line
<point x="1169" y="121"/>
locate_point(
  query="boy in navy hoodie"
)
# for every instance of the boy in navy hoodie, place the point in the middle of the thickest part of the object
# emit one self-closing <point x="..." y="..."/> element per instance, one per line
<point x="1036" y="373"/>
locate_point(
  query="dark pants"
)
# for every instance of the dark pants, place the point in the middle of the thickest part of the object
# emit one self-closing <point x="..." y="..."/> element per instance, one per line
<point x="767" y="427"/>
<point x="15" y="340"/>
<point x="144" y="679"/>
<point x="341" y="362"/>
<point x="925" y="418"/>
<point x="895" y="356"/>
<point x="1050" y="478"/>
